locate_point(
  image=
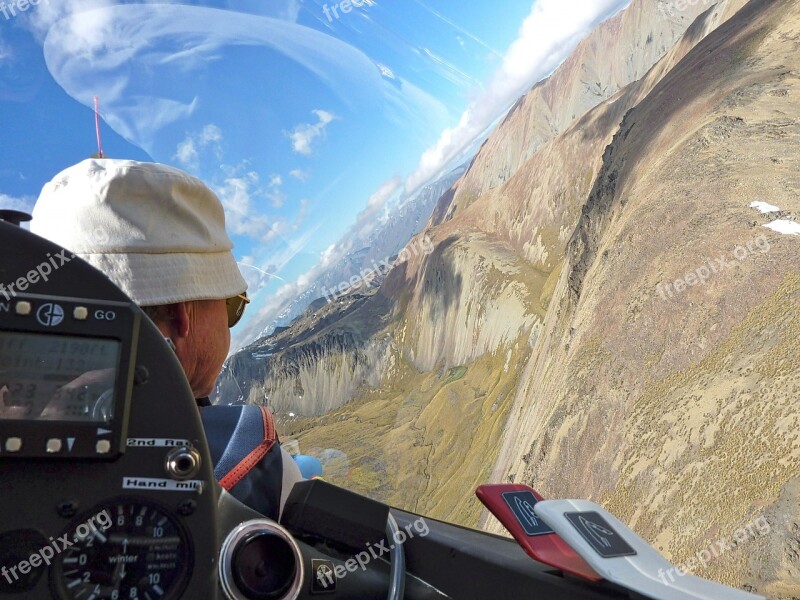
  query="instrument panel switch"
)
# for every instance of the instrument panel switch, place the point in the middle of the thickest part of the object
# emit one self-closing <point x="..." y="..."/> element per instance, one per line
<point x="23" y="308"/>
<point x="13" y="444"/>
<point x="54" y="445"/>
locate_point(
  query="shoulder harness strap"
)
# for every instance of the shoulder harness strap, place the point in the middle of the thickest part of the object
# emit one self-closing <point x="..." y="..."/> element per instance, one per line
<point x="257" y="435"/>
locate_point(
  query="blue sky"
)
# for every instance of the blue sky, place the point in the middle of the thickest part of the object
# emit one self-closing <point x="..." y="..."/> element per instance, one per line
<point x="310" y="123"/>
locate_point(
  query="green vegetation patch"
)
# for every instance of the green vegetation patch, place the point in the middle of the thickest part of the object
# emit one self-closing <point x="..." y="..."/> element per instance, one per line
<point x="421" y="442"/>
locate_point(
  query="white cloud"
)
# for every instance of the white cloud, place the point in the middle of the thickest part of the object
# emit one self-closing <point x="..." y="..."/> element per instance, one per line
<point x="332" y="255"/>
<point x="429" y="116"/>
<point x="24" y="204"/>
<point x="379" y="198"/>
<point x="47" y="13"/>
<point x="329" y="256"/>
<point x="549" y="33"/>
<point x="274" y="193"/>
<point x="143" y="117"/>
<point x="256" y="274"/>
<point x="211" y="134"/>
<point x="299" y="174"/>
<point x="370" y="217"/>
<point x="117" y="51"/>
<point x="304" y="136"/>
<point x="242" y="194"/>
<point x="188" y="152"/>
<point x="242" y="215"/>
<point x="293" y="10"/>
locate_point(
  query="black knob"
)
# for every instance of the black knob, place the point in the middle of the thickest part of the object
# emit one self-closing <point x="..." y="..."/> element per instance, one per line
<point x="15" y="217"/>
<point x="264" y="566"/>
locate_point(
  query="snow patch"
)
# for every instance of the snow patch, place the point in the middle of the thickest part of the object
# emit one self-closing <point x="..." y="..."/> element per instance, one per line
<point x="785" y="227"/>
<point x="763" y="207"/>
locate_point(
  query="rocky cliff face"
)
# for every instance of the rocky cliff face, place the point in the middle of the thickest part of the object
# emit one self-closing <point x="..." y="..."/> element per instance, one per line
<point x="622" y="50"/>
<point x="602" y="315"/>
<point x="665" y="382"/>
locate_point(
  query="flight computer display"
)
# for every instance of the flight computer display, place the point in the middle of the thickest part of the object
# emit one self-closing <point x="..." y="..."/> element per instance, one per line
<point x="57" y="378"/>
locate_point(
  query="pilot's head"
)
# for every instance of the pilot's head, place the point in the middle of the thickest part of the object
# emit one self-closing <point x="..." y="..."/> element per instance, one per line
<point x="159" y="234"/>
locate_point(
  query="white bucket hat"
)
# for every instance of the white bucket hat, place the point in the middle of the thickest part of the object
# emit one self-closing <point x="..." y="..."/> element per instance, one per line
<point x="156" y="232"/>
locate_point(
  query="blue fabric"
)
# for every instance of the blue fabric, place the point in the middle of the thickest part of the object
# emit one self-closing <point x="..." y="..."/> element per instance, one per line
<point x="233" y="432"/>
<point x="247" y="434"/>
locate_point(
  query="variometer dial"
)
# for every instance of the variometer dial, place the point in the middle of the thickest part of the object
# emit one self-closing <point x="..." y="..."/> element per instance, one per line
<point x="126" y="550"/>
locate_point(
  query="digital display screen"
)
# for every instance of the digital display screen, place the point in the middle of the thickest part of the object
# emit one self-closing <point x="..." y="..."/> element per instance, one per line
<point x="57" y="378"/>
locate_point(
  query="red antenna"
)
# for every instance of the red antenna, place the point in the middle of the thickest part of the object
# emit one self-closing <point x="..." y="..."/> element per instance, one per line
<point x="97" y="127"/>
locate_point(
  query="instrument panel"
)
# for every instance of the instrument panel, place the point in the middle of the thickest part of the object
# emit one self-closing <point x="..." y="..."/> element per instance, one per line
<point x="108" y="485"/>
<point x="125" y="549"/>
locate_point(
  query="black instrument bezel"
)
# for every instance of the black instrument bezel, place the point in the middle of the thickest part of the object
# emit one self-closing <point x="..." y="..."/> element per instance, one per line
<point x="186" y="568"/>
<point x="123" y="329"/>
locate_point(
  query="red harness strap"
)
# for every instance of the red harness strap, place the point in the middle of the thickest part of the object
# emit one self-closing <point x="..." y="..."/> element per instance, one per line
<point x="259" y="452"/>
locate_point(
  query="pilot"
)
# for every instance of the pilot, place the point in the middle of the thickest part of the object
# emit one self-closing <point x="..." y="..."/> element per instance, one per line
<point x="159" y="235"/>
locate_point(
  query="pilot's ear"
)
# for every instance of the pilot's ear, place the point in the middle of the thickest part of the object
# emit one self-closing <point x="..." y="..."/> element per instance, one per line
<point x="181" y="319"/>
<point x="174" y="320"/>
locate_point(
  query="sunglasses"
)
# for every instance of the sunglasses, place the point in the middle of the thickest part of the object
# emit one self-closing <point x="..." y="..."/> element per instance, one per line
<point x="235" y="307"/>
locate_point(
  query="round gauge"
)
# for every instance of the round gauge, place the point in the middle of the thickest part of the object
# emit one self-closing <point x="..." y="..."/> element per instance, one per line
<point x="125" y="550"/>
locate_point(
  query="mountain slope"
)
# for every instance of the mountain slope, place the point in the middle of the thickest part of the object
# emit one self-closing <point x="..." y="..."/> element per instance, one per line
<point x="676" y="407"/>
<point x="620" y="51"/>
